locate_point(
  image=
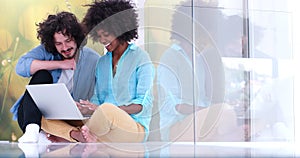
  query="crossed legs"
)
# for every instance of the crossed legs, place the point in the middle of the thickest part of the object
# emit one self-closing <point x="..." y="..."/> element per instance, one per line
<point x="111" y="124"/>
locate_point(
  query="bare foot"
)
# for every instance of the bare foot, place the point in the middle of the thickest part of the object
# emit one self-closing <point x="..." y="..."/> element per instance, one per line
<point x="85" y="150"/>
<point x="88" y="150"/>
<point x="78" y="149"/>
<point x="78" y="135"/>
<point x="56" y="139"/>
<point x="88" y="135"/>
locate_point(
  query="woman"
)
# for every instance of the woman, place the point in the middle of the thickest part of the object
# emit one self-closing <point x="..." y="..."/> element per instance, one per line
<point x="121" y="106"/>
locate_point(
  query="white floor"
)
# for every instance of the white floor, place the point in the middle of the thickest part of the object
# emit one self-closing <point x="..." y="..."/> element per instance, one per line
<point x="150" y="149"/>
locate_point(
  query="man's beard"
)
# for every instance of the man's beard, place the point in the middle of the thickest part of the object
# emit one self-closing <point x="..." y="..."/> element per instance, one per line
<point x="71" y="57"/>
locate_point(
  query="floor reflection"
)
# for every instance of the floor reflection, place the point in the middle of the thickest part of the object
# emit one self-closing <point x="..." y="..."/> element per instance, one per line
<point x="150" y="149"/>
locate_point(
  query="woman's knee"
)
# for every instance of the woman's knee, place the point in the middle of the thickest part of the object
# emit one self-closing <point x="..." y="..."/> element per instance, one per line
<point x="106" y="106"/>
<point x="109" y="111"/>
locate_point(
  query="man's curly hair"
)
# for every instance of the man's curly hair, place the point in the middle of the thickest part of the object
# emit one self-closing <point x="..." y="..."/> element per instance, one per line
<point x="117" y="17"/>
<point x="63" y="22"/>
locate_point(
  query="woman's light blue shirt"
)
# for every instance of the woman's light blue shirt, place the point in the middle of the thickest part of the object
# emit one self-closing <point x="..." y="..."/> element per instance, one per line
<point x="178" y="83"/>
<point x="131" y="84"/>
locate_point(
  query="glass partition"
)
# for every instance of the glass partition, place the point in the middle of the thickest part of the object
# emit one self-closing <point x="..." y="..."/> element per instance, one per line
<point x="272" y="88"/>
<point x="240" y="86"/>
<point x="224" y="69"/>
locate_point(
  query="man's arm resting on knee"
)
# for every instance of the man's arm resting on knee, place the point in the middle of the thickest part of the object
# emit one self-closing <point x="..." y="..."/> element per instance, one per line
<point x="51" y="65"/>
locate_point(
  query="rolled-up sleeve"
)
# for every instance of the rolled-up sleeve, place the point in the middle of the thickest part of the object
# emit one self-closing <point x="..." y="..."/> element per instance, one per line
<point x="24" y="63"/>
<point x="23" y="66"/>
<point x="145" y="77"/>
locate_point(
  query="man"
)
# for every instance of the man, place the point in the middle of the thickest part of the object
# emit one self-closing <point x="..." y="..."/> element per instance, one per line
<point x="61" y="58"/>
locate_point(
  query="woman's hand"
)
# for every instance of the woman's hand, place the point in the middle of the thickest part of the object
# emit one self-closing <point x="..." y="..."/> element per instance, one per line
<point x="86" y="107"/>
<point x="132" y="108"/>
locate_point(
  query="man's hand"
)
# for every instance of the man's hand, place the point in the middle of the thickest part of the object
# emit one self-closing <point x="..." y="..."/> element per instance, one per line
<point x="68" y="64"/>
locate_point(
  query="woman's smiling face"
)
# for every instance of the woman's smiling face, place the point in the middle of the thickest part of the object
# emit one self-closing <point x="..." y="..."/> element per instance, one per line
<point x="108" y="40"/>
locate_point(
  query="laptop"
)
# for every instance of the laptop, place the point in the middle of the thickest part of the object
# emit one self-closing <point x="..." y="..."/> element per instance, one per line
<point x="55" y="101"/>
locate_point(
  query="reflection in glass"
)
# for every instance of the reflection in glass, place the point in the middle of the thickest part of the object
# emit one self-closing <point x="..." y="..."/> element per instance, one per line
<point x="272" y="80"/>
<point x="83" y="150"/>
<point x="190" y="79"/>
<point x="269" y="79"/>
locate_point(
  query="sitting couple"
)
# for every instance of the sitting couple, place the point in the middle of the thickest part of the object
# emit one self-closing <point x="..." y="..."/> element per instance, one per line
<point x="117" y="84"/>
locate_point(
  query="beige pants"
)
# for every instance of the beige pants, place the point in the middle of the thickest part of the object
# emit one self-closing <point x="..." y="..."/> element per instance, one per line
<point x="109" y="123"/>
<point x="215" y="123"/>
